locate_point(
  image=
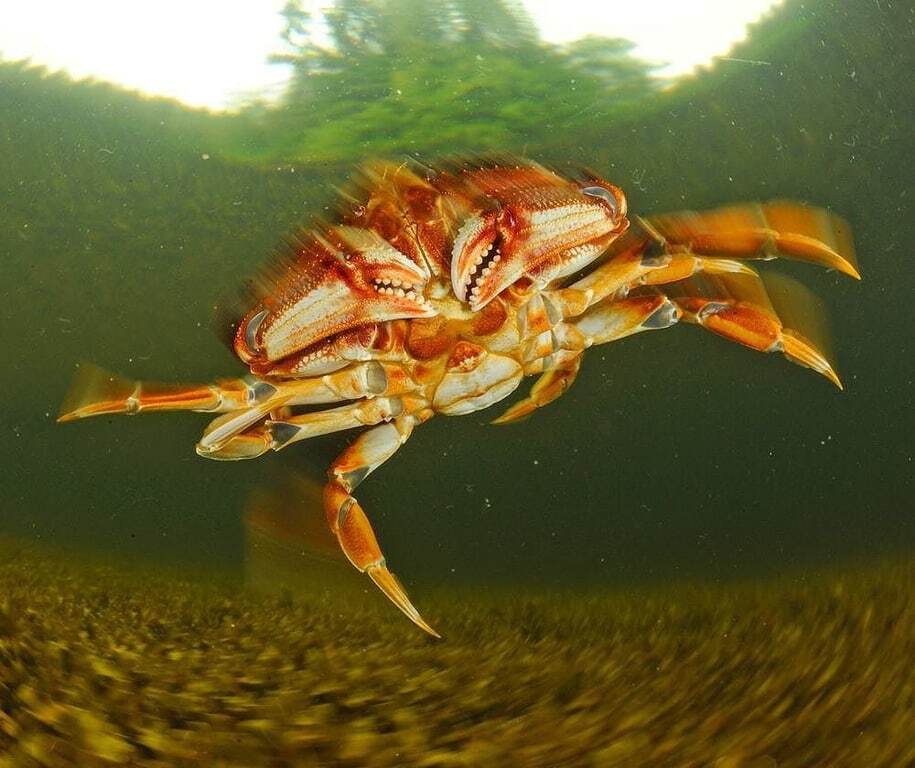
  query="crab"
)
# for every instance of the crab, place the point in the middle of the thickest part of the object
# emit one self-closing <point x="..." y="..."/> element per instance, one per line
<point x="437" y="290"/>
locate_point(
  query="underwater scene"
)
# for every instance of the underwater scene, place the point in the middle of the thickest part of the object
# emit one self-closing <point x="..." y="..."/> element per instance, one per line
<point x="672" y="522"/>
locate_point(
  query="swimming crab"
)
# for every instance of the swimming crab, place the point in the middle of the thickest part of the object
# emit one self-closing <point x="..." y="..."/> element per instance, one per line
<point x="437" y="290"/>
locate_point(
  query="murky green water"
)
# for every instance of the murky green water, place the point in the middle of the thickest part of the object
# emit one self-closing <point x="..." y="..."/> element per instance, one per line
<point x="675" y="456"/>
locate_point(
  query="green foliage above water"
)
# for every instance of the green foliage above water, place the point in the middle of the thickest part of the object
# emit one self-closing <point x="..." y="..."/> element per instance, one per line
<point x="413" y="76"/>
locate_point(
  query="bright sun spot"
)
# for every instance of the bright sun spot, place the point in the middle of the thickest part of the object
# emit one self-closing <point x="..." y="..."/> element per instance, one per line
<point x="213" y="53"/>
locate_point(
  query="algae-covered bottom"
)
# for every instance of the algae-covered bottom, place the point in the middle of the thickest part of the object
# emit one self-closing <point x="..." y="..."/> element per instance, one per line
<point x="103" y="665"/>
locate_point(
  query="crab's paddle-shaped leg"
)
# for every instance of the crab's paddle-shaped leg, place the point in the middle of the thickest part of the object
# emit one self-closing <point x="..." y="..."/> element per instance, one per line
<point x="347" y="519"/>
<point x="243" y="402"/>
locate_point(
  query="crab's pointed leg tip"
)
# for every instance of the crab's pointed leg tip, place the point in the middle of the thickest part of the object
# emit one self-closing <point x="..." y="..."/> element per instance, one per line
<point x="75" y="414"/>
<point x="800" y="350"/>
<point x="847" y="266"/>
<point x="387" y="582"/>
<point x="426" y="628"/>
<point x="841" y="264"/>
<point x="517" y="412"/>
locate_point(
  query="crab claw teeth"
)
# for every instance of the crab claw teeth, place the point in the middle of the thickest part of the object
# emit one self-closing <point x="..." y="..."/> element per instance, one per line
<point x="387" y="582"/>
<point x="472" y="245"/>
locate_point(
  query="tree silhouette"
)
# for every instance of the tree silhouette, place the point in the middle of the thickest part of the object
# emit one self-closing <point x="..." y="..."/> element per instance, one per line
<point x="438" y="76"/>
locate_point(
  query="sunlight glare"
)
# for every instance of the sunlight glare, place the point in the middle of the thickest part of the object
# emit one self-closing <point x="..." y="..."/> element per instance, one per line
<point x="680" y="36"/>
<point x="213" y="53"/>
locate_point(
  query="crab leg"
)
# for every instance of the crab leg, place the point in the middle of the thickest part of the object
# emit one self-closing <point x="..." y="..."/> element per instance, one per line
<point x="614" y="320"/>
<point x="95" y="391"/>
<point x="683" y="265"/>
<point x="738" y="307"/>
<point x="671" y="247"/>
<point x="735" y="306"/>
<point x="243" y="402"/>
<point x="646" y="259"/>
<point x="551" y="385"/>
<point x="608" y="321"/>
<point x="276" y="433"/>
<point x="365" y="413"/>
<point x="764" y="231"/>
<point x="226" y="438"/>
<point x="640" y="251"/>
<point x="363" y="380"/>
<point x="348" y="521"/>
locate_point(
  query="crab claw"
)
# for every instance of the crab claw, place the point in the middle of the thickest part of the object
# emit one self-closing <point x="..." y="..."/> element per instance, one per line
<point x="477" y="249"/>
<point x="561" y="232"/>
<point x="344" y="278"/>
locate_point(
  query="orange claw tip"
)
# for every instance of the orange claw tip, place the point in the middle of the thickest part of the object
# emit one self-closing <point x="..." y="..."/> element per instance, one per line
<point x="813" y="234"/>
<point x="849" y="268"/>
<point x="93" y="391"/>
<point x="801" y="351"/>
<point x="517" y="412"/>
<point x="68" y="416"/>
<point x="817" y="252"/>
<point x="805" y="334"/>
<point x="387" y="582"/>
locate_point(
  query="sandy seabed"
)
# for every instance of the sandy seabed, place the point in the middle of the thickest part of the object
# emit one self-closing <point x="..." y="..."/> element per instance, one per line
<point x="112" y="665"/>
